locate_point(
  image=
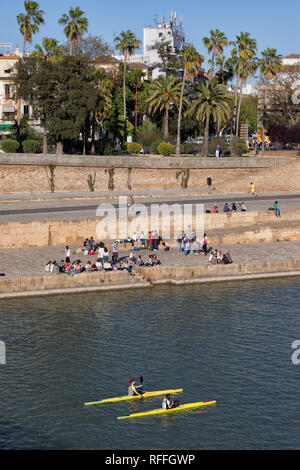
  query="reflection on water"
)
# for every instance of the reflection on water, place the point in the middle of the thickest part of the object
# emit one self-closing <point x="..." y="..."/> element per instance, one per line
<point x="230" y="342"/>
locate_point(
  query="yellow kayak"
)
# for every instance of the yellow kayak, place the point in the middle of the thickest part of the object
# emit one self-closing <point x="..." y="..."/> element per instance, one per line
<point x="129" y="397"/>
<point x="159" y="411"/>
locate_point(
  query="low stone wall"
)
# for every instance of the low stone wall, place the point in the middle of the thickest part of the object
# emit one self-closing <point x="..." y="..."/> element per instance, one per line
<point x="147" y="162"/>
<point x="54" y="282"/>
<point x="221" y="228"/>
<point x="144" y="277"/>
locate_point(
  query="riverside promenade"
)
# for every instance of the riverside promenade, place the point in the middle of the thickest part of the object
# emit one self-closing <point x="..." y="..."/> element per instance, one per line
<point x="25" y="275"/>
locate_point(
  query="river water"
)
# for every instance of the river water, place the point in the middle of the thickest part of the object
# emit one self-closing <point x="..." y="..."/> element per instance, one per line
<point x="229" y="342"/>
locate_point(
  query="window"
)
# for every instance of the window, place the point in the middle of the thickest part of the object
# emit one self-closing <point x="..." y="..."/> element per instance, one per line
<point x="7" y="91"/>
<point x="26" y="110"/>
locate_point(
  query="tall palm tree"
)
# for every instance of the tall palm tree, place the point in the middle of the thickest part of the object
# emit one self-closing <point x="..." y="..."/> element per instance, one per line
<point x="164" y="92"/>
<point x="75" y="25"/>
<point x="244" y="49"/>
<point x="248" y="69"/>
<point x="192" y="61"/>
<point x="29" y="21"/>
<point x="269" y="64"/>
<point x="210" y="101"/>
<point x="50" y="50"/>
<point x="224" y="71"/>
<point x="126" y="43"/>
<point x="104" y="86"/>
<point x="215" y="44"/>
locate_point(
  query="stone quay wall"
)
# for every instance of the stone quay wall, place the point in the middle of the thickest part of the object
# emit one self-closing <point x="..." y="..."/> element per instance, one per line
<point x="25" y="173"/>
<point x="221" y="228"/>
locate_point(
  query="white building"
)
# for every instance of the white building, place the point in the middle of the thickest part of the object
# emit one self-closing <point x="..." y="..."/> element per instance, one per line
<point x="165" y="31"/>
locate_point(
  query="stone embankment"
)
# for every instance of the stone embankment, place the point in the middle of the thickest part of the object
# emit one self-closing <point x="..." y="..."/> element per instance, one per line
<point x="231" y="228"/>
<point x="22" y="173"/>
<point x="143" y="278"/>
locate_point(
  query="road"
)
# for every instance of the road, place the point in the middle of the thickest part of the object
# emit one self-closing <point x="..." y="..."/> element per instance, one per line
<point x="51" y="210"/>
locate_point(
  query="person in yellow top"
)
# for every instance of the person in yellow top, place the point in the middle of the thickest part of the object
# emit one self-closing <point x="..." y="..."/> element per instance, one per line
<point x="252" y="186"/>
<point x="132" y="388"/>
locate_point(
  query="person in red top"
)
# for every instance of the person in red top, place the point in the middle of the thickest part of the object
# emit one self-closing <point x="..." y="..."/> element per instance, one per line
<point x="150" y="241"/>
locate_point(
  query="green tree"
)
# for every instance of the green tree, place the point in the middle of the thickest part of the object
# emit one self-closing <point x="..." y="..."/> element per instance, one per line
<point x="29" y="21"/>
<point x="164" y="93"/>
<point x="75" y="25"/>
<point x="215" y="44"/>
<point x="210" y="101"/>
<point x="270" y="64"/>
<point x="168" y="62"/>
<point x="49" y="51"/>
<point x="192" y="61"/>
<point x="126" y="43"/>
<point x="91" y="47"/>
<point x="34" y="83"/>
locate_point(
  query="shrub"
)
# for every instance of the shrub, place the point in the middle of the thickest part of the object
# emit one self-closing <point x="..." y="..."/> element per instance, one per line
<point x="108" y="149"/>
<point x="239" y="146"/>
<point x="154" y="146"/>
<point x="101" y="144"/>
<point x="132" y="147"/>
<point x="166" y="149"/>
<point x="217" y="141"/>
<point x="188" y="148"/>
<point x="31" y="146"/>
<point x="10" y="146"/>
<point x="148" y="133"/>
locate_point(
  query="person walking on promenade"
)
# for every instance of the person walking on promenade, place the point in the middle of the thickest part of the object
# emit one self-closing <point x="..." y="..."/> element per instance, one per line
<point x="204" y="244"/>
<point x="276" y="209"/>
<point x="115" y="251"/>
<point x="253" y="189"/>
<point x="179" y="241"/>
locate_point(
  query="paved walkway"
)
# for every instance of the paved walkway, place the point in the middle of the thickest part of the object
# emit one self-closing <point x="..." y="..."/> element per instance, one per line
<point x="29" y="262"/>
<point x="60" y="208"/>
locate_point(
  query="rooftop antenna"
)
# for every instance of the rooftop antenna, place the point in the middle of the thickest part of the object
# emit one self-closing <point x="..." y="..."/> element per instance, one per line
<point x="155" y="19"/>
<point x="181" y="23"/>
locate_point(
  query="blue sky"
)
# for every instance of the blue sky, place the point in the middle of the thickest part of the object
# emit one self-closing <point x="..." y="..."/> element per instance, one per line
<point x="273" y="23"/>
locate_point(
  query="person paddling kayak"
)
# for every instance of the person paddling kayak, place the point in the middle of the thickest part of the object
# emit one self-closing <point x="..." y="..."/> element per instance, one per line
<point x="132" y="388"/>
<point x="167" y="404"/>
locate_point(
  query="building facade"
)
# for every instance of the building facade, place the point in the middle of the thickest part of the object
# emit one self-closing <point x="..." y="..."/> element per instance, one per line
<point x="10" y="109"/>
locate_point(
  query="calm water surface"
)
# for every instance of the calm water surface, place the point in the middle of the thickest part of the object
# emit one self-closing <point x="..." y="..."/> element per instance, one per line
<point x="230" y="342"/>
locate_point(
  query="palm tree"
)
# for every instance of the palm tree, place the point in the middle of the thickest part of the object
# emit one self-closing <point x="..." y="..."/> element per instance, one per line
<point x="126" y="43"/>
<point x="269" y="64"/>
<point x="49" y="51"/>
<point x="215" y="44"/>
<point x="244" y="49"/>
<point x="210" y="101"/>
<point x="29" y="21"/>
<point x="75" y="25"/>
<point x="248" y="69"/>
<point x="164" y="92"/>
<point x="224" y="72"/>
<point x="192" y="60"/>
<point x="104" y="87"/>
